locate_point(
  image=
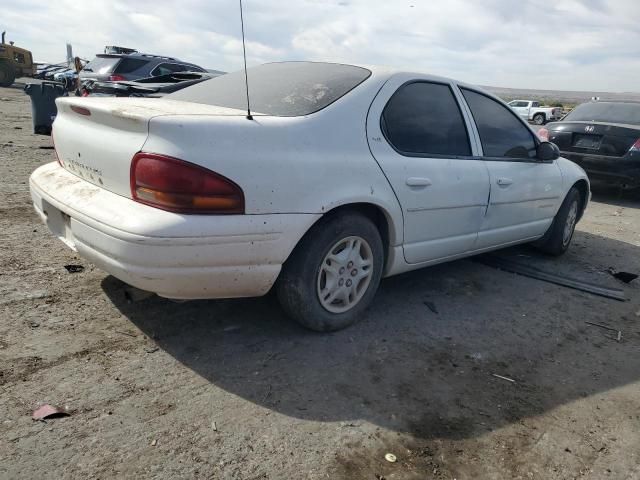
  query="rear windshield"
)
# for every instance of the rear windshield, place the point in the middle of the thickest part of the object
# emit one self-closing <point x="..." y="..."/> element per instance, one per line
<point x="626" y="113"/>
<point x="280" y="89"/>
<point x="128" y="65"/>
<point x="101" y="65"/>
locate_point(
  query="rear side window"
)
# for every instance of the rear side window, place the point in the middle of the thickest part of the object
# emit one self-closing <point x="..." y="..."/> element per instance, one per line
<point x="501" y="132"/>
<point x="424" y="119"/>
<point x="128" y="65"/>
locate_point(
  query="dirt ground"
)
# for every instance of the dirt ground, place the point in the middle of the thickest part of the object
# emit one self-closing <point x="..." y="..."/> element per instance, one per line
<point x="234" y="390"/>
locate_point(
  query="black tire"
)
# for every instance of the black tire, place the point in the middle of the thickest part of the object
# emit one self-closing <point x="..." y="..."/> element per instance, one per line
<point x="539" y="119"/>
<point x="298" y="285"/>
<point x="7" y="75"/>
<point x="555" y="242"/>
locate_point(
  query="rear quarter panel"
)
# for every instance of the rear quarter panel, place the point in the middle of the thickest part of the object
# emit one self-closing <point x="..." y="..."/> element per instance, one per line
<point x="309" y="164"/>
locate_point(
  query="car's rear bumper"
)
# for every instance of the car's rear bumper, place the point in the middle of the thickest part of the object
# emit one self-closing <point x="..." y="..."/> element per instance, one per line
<point x="173" y="255"/>
<point x="621" y="171"/>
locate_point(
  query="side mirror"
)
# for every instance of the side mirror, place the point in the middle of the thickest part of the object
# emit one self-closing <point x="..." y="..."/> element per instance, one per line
<point x="547" y="151"/>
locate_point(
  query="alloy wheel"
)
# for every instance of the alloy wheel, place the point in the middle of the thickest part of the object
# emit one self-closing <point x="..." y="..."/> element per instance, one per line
<point x="345" y="274"/>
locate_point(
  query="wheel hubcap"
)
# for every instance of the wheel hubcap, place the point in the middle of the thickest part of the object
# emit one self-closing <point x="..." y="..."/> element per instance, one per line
<point x="345" y="274"/>
<point x="570" y="224"/>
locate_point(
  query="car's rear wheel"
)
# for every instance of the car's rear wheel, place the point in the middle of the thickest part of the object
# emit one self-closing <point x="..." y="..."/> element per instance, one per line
<point x="558" y="238"/>
<point x="7" y="75"/>
<point x="539" y="119"/>
<point x="333" y="274"/>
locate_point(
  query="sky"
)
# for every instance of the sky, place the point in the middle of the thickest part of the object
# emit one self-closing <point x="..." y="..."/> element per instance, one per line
<point x="590" y="45"/>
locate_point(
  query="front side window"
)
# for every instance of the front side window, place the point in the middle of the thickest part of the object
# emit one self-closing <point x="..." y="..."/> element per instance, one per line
<point x="501" y="132"/>
<point x="424" y="119"/>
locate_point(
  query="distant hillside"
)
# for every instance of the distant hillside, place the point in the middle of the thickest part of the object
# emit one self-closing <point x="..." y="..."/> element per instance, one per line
<point x="557" y="96"/>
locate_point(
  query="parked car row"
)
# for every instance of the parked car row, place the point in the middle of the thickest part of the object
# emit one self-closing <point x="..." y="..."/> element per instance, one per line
<point x="121" y="72"/>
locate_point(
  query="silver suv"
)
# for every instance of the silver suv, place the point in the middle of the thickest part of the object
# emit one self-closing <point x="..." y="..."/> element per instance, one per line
<point x="119" y="67"/>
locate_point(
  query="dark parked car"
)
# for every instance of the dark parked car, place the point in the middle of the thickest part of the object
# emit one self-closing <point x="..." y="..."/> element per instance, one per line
<point x="604" y="139"/>
<point x="145" y="87"/>
<point x="119" y="67"/>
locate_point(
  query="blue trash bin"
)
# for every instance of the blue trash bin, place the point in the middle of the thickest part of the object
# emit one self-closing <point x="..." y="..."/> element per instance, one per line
<point x="43" y="104"/>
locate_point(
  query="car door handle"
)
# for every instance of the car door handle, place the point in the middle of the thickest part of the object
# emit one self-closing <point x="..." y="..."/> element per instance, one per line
<point x="418" y="182"/>
<point x="503" y="182"/>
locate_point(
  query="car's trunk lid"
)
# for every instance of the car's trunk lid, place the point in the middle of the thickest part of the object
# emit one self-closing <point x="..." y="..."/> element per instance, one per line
<point x="591" y="138"/>
<point x="96" y="138"/>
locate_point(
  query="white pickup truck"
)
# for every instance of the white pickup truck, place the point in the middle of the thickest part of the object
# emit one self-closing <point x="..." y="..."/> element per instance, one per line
<point x="532" y="111"/>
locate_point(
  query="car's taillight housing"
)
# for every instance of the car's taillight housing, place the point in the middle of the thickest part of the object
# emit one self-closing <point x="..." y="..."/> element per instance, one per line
<point x="543" y="134"/>
<point x="116" y="78"/>
<point x="635" y="147"/>
<point x="182" y="187"/>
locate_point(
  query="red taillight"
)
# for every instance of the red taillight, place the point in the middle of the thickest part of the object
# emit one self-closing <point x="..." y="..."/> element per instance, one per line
<point x="635" y="147"/>
<point x="543" y="134"/>
<point x="116" y="78"/>
<point x="81" y="110"/>
<point x="178" y="186"/>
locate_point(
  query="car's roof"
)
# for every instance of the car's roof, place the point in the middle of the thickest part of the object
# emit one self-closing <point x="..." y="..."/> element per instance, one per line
<point x="381" y="71"/>
<point x="387" y="71"/>
<point x="148" y="56"/>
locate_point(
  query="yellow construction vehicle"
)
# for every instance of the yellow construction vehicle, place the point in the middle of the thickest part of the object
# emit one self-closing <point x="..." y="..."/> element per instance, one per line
<point x="14" y="62"/>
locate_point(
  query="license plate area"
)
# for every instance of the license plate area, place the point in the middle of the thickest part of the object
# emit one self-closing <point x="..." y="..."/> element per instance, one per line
<point x="590" y="142"/>
<point x="59" y="223"/>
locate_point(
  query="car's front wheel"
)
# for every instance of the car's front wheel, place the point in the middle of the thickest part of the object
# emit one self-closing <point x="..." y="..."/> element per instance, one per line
<point x="558" y="238"/>
<point x="333" y="274"/>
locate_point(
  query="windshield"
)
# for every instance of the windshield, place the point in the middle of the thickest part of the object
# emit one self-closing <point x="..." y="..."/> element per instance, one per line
<point x="101" y="65"/>
<point x="280" y="89"/>
<point x="626" y="113"/>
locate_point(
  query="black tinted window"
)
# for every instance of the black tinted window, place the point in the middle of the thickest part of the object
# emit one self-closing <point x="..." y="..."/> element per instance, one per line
<point x="501" y="133"/>
<point x="424" y="118"/>
<point x="627" y="113"/>
<point x="102" y="65"/>
<point x="128" y="65"/>
<point x="169" y="68"/>
<point x="282" y="89"/>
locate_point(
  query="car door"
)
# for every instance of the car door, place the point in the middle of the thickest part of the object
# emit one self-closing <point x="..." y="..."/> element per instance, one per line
<point x="418" y="134"/>
<point x="521" y="108"/>
<point x="525" y="192"/>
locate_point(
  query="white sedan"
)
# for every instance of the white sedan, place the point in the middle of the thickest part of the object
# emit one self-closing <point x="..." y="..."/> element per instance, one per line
<point x="340" y="176"/>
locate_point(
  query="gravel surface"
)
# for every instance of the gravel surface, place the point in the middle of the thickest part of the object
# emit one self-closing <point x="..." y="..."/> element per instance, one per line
<point x="234" y="390"/>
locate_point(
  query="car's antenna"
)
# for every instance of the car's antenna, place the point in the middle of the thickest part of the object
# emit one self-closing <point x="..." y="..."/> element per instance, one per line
<point x="246" y="77"/>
